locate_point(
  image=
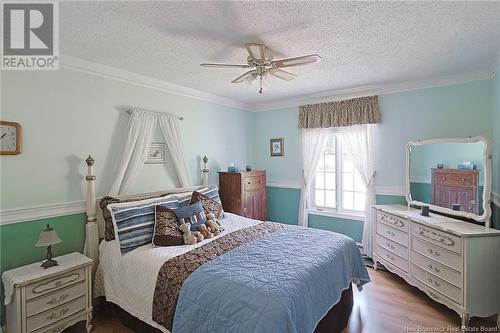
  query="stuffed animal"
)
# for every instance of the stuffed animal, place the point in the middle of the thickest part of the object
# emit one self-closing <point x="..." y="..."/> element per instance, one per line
<point x="213" y="227"/>
<point x="213" y="224"/>
<point x="187" y="235"/>
<point x="199" y="236"/>
<point x="205" y="232"/>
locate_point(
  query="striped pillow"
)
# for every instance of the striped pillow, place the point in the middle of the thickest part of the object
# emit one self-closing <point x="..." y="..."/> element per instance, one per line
<point x="193" y="214"/>
<point x="134" y="222"/>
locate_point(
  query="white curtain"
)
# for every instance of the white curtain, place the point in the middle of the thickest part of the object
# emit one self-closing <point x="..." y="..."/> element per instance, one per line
<point x="357" y="144"/>
<point x="313" y="140"/>
<point x="170" y="128"/>
<point x="140" y="127"/>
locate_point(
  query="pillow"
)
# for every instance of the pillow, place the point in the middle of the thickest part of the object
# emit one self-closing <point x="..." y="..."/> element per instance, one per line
<point x="209" y="205"/>
<point x="166" y="230"/>
<point x="194" y="214"/>
<point x="210" y="200"/>
<point x="109" y="231"/>
<point x="185" y="197"/>
<point x="134" y="221"/>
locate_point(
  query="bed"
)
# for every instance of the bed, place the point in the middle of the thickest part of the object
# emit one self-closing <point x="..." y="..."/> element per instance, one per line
<point x="256" y="276"/>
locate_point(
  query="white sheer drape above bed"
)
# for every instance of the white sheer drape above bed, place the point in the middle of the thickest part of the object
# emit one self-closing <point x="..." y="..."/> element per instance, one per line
<point x="140" y="128"/>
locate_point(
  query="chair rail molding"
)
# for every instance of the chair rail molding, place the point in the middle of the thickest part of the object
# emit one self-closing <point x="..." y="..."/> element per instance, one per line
<point x="41" y="212"/>
<point x="381" y="190"/>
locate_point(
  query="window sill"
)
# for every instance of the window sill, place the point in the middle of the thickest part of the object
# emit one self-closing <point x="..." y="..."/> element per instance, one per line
<point x="341" y="215"/>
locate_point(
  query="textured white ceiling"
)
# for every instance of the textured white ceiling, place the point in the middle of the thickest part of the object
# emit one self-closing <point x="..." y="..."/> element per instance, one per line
<point x="361" y="43"/>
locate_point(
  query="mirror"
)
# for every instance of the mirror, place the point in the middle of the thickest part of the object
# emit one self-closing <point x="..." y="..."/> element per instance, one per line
<point x="452" y="176"/>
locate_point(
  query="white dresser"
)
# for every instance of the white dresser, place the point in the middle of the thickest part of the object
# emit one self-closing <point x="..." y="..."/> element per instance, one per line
<point x="454" y="262"/>
<point x="49" y="300"/>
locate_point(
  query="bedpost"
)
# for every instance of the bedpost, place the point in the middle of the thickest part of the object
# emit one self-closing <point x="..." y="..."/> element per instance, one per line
<point x="92" y="232"/>
<point x="205" y="171"/>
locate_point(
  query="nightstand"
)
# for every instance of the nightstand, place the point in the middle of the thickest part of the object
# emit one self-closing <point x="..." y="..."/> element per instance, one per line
<point x="49" y="300"/>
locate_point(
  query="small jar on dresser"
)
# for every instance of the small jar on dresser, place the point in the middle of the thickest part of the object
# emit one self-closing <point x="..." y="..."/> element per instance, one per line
<point x="49" y="300"/>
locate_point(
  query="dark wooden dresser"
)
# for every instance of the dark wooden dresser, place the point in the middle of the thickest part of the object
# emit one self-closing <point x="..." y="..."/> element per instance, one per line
<point x="244" y="193"/>
<point x="456" y="186"/>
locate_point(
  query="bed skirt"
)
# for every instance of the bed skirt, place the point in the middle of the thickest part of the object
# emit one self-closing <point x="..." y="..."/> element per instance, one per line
<point x="334" y="322"/>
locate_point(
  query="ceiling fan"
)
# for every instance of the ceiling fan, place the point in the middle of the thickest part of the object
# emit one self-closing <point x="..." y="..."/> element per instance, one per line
<point x="260" y="59"/>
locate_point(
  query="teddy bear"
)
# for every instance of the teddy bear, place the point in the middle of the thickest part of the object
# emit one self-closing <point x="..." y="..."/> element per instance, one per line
<point x="205" y="232"/>
<point x="187" y="235"/>
<point x="199" y="236"/>
<point x="213" y="224"/>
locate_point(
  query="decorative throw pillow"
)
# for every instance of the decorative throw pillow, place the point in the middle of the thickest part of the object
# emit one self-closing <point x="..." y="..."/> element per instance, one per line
<point x="209" y="205"/>
<point x="134" y="221"/>
<point x="185" y="197"/>
<point x="166" y="229"/>
<point x="109" y="231"/>
<point x="193" y="214"/>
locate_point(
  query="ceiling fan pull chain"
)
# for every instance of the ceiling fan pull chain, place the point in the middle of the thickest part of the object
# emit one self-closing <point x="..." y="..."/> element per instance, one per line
<point x="260" y="91"/>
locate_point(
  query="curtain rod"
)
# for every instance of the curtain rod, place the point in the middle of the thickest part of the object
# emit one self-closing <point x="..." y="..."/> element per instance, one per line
<point x="129" y="111"/>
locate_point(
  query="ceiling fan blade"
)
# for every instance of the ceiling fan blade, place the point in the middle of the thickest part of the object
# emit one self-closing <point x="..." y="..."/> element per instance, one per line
<point x="281" y="74"/>
<point x="297" y="61"/>
<point x="243" y="77"/>
<point x="257" y="52"/>
<point x="223" y="65"/>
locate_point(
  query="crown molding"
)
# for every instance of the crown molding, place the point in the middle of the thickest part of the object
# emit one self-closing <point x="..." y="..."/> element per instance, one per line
<point x="41" y="212"/>
<point x="377" y="89"/>
<point x="93" y="68"/>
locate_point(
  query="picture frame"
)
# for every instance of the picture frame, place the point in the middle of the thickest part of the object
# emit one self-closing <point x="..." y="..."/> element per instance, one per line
<point x="277" y="147"/>
<point x="157" y="152"/>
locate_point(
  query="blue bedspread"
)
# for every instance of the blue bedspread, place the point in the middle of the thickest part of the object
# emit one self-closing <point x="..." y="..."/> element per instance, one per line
<point x="285" y="281"/>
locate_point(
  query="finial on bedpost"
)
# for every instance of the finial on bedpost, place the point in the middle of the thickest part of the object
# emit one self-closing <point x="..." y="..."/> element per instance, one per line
<point x="90" y="178"/>
<point x="205" y="171"/>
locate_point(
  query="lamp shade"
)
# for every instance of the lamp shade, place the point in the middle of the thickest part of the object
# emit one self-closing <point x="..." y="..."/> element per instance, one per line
<point x="48" y="237"/>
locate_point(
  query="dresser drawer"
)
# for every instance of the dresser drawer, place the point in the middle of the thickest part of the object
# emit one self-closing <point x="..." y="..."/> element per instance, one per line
<point x="54" y="299"/>
<point x="437" y="253"/>
<point x="43" y="287"/>
<point x="256" y="182"/>
<point x="438" y="284"/>
<point x="455" y="179"/>
<point x="394" y="247"/>
<point x="398" y="236"/>
<point x="440" y="238"/>
<point x="393" y="221"/>
<point x="431" y="266"/>
<point x="394" y="259"/>
<point x="51" y="316"/>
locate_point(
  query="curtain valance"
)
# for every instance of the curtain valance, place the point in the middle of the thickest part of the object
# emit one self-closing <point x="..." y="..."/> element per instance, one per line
<point x="356" y="111"/>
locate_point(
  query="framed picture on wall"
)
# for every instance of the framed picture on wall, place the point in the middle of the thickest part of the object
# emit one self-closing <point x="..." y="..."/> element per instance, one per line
<point x="157" y="152"/>
<point x="277" y="147"/>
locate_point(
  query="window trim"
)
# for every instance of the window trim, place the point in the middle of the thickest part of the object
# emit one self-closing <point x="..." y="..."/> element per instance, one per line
<point x="338" y="211"/>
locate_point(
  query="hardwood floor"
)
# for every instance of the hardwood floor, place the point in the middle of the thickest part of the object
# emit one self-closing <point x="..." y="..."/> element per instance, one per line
<point x="387" y="304"/>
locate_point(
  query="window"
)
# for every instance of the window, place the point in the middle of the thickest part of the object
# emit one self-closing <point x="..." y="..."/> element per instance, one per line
<point x="338" y="186"/>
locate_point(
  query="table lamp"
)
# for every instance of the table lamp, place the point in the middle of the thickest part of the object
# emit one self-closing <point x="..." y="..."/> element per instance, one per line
<point x="48" y="237"/>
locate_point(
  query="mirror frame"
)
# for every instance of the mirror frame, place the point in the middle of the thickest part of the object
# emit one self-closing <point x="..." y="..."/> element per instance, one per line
<point x="485" y="218"/>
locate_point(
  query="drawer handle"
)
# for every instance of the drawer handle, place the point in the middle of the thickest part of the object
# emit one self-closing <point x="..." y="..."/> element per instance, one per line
<point x="443" y="179"/>
<point x="56" y="316"/>
<point x="392" y="221"/>
<point x="391" y="257"/>
<point x="390" y="246"/>
<point x="436" y="253"/>
<point x="390" y="233"/>
<point x="438" y="237"/>
<point x="435" y="296"/>
<point x="58" y="300"/>
<point x="435" y="269"/>
<point x="45" y="286"/>
<point x="431" y="281"/>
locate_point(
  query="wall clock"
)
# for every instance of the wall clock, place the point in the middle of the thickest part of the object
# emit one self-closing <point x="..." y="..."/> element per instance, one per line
<point x="10" y="138"/>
